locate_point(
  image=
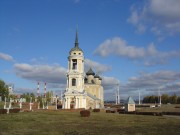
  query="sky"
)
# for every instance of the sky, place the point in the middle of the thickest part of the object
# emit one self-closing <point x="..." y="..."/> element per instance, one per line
<point x="133" y="43"/>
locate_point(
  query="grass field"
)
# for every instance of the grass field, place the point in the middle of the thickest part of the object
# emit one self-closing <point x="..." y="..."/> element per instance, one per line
<point x="163" y="108"/>
<point x="70" y="123"/>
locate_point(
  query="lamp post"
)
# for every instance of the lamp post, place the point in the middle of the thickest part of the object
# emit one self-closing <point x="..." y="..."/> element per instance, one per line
<point x="10" y="103"/>
<point x="5" y="103"/>
<point x="20" y="103"/>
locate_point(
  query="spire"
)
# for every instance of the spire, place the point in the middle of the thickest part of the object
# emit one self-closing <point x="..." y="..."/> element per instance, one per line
<point x="76" y="46"/>
<point x="76" y="40"/>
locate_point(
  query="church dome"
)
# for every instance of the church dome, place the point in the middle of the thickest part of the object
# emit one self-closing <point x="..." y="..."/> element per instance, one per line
<point x="90" y="72"/>
<point x="100" y="78"/>
<point x="76" y="48"/>
<point x="96" y="76"/>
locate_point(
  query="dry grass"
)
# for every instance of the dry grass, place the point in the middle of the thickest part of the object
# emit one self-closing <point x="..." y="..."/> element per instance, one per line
<point x="70" y="123"/>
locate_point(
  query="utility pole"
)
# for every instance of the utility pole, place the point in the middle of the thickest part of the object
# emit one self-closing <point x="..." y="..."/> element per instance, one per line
<point x="159" y="96"/>
<point x="139" y="98"/>
<point x="118" y="97"/>
<point x="61" y="95"/>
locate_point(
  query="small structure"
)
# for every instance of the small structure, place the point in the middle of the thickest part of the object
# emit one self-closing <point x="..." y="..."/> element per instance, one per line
<point x="130" y="105"/>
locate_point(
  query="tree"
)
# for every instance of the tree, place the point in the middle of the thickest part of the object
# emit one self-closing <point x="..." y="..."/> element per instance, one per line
<point x="165" y="98"/>
<point x="48" y="96"/>
<point x="178" y="100"/>
<point x="173" y="99"/>
<point x="4" y="92"/>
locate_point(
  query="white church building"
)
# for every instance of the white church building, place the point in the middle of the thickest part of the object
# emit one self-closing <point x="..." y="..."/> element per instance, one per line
<point x="83" y="90"/>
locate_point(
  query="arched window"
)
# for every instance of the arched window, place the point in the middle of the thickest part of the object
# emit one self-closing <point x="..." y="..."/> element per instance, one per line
<point x="73" y="82"/>
<point x="74" y="66"/>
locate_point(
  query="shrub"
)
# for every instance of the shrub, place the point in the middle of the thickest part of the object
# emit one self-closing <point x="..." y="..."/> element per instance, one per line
<point x="108" y="111"/>
<point x="96" y="110"/>
<point x="14" y="110"/>
<point x="171" y="113"/>
<point x="150" y="113"/>
<point x="3" y="111"/>
<point x="59" y="106"/>
<point x="85" y="113"/>
<point x="120" y="110"/>
<point x="113" y="111"/>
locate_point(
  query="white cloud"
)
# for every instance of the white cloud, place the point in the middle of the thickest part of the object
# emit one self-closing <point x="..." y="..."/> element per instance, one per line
<point x="150" y="55"/>
<point x="160" y="16"/>
<point x="149" y="83"/>
<point x="153" y="80"/>
<point x="55" y="74"/>
<point x="118" y="46"/>
<point x="100" y="68"/>
<point x="109" y="81"/>
<point x="45" y="73"/>
<point x="6" y="57"/>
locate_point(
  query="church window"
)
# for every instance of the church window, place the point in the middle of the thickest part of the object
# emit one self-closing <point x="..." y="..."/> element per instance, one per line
<point x="79" y="53"/>
<point x="73" y="82"/>
<point x="74" y="53"/>
<point x="74" y="64"/>
<point x="92" y="81"/>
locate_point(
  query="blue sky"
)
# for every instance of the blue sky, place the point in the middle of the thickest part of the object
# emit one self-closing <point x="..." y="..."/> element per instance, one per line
<point x="134" y="42"/>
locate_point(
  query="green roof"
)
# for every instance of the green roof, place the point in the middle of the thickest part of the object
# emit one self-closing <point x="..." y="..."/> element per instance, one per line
<point x="130" y="100"/>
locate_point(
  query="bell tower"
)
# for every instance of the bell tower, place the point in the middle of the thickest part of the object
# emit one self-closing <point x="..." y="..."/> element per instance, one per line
<point x="75" y="74"/>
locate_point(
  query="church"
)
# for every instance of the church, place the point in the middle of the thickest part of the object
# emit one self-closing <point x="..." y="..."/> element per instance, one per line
<point x="84" y="90"/>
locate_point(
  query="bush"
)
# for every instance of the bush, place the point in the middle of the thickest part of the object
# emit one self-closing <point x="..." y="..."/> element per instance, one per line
<point x="59" y="106"/>
<point x="149" y="113"/>
<point x="113" y="111"/>
<point x="171" y="113"/>
<point x="96" y="110"/>
<point x="14" y="110"/>
<point x="120" y="110"/>
<point x="108" y="111"/>
<point x="3" y="111"/>
<point x="85" y="113"/>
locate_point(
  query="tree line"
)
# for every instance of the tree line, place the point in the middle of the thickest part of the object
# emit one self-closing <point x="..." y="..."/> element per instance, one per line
<point x="165" y="98"/>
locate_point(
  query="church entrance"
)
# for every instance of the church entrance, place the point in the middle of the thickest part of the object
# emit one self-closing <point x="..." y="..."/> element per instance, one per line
<point x="72" y="105"/>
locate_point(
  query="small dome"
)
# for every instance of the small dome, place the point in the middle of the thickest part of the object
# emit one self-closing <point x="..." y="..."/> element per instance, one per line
<point x="96" y="76"/>
<point x="90" y="72"/>
<point x="76" y="48"/>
